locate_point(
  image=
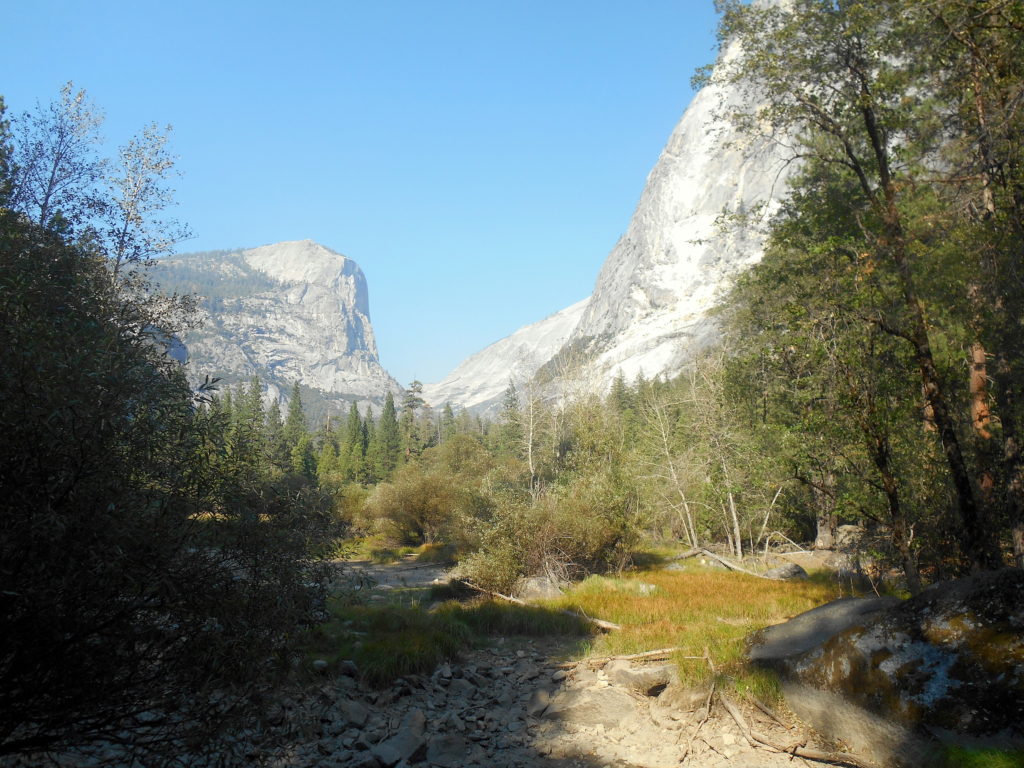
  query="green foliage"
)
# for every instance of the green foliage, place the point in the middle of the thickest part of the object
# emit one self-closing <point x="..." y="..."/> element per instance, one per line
<point x="851" y="339"/>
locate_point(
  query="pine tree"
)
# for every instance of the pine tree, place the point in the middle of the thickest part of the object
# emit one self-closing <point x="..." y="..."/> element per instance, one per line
<point x="295" y="422"/>
<point x="389" y="440"/>
<point x="508" y="438"/>
<point x="411" y="439"/>
<point x="372" y="454"/>
<point x="447" y="427"/>
<point x="352" y="451"/>
<point x="248" y="441"/>
<point x="277" y="450"/>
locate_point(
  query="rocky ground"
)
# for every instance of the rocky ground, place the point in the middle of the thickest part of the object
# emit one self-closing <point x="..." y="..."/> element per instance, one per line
<point x="517" y="704"/>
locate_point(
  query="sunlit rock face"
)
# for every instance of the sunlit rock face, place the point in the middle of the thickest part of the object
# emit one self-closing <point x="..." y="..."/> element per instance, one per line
<point x="649" y="312"/>
<point x="479" y="382"/>
<point x="293" y="311"/>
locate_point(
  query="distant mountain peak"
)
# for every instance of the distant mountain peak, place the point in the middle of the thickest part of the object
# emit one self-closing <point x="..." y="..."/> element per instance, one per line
<point x="286" y="312"/>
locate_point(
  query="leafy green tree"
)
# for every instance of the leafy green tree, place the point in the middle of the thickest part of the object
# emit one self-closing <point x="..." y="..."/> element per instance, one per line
<point x="6" y="157"/>
<point x="126" y="511"/>
<point x="56" y="170"/>
<point x="838" y="78"/>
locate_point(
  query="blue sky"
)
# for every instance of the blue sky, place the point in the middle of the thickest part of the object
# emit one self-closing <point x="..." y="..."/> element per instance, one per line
<point x="477" y="159"/>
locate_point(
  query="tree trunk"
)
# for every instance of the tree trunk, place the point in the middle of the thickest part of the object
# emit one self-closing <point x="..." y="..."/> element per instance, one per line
<point x="902" y="533"/>
<point x="736" y="528"/>
<point x="826" y="512"/>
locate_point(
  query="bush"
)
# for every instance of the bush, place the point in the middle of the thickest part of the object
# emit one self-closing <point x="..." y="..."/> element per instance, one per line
<point x="146" y="573"/>
<point x="590" y="525"/>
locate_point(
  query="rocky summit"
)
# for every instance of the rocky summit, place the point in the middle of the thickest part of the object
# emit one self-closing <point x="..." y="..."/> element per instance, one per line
<point x="289" y="312"/>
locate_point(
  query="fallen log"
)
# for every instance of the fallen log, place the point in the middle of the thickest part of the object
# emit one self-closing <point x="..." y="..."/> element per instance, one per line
<point x="660" y="653"/>
<point x="605" y="626"/>
<point x="724" y="561"/>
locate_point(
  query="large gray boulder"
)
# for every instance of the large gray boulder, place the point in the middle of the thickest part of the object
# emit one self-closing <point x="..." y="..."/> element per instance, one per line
<point x="894" y="680"/>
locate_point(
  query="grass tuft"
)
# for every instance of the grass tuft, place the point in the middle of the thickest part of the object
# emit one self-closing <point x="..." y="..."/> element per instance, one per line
<point x="489" y="617"/>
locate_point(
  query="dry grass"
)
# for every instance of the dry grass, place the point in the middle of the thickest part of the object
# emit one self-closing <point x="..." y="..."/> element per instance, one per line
<point x="695" y="610"/>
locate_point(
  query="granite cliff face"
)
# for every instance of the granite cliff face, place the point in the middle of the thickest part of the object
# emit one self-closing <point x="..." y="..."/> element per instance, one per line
<point x="293" y="311"/>
<point x="649" y="309"/>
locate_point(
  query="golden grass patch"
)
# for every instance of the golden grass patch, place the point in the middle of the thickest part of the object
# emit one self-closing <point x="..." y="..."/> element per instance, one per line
<point x="694" y="610"/>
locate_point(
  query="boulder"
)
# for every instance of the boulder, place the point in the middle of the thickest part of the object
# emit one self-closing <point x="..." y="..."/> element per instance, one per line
<point x="537" y="588"/>
<point x="848" y="537"/>
<point x="775" y="646"/>
<point x="895" y="679"/>
<point x="786" y="572"/>
<point x="353" y="712"/>
<point x="451" y="751"/>
<point x="404" y="745"/>
<point x="648" y="679"/>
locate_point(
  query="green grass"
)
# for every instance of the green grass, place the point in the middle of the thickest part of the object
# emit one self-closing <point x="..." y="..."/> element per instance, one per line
<point x="492" y="618"/>
<point x="391" y="641"/>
